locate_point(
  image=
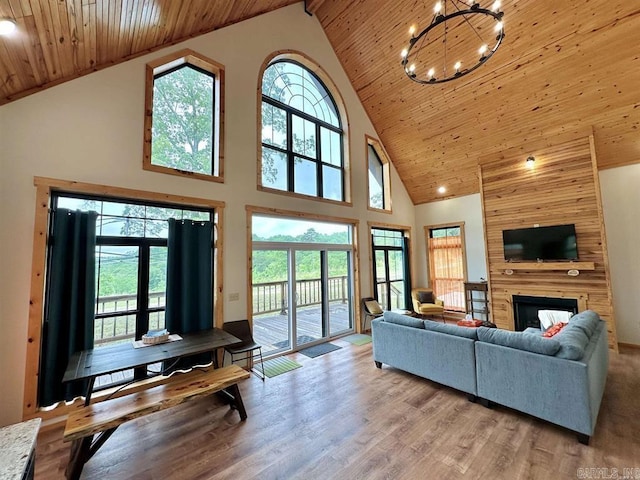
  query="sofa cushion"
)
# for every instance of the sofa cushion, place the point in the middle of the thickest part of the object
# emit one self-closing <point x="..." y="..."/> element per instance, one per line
<point x="519" y="340"/>
<point x="399" y="319"/>
<point x="586" y="321"/>
<point x="425" y="297"/>
<point x="573" y="342"/>
<point x="451" y="329"/>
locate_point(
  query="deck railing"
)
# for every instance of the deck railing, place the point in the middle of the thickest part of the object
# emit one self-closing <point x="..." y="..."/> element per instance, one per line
<point x="267" y="298"/>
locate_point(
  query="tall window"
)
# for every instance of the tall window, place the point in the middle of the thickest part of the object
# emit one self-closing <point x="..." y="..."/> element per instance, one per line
<point x="183" y="122"/>
<point x="302" y="136"/>
<point x="391" y="268"/>
<point x="131" y="264"/>
<point x="378" y="179"/>
<point x="447" y="265"/>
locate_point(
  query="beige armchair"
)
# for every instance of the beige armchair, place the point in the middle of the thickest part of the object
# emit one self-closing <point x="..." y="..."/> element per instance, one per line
<point x="425" y="303"/>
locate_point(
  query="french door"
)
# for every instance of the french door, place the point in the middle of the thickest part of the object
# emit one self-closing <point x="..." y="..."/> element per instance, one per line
<point x="390" y="268"/>
<point x="308" y="298"/>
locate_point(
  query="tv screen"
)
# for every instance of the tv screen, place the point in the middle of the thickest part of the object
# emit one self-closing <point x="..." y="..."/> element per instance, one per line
<point x="557" y="242"/>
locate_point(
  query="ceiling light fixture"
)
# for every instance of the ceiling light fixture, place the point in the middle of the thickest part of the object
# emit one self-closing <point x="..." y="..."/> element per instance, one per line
<point x="454" y="43"/>
<point x="531" y="160"/>
<point x="7" y="26"/>
<point x="442" y="190"/>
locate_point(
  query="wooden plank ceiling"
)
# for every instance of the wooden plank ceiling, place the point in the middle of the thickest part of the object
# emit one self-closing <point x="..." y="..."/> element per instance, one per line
<point x="564" y="69"/>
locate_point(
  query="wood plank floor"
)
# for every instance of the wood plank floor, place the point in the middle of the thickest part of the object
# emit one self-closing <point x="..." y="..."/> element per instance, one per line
<point x="339" y="417"/>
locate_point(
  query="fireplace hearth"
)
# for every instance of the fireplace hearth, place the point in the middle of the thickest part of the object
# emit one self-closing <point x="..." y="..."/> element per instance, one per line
<point x="525" y="309"/>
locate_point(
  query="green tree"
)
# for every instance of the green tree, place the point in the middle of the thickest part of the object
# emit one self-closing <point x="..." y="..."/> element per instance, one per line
<point x="182" y="135"/>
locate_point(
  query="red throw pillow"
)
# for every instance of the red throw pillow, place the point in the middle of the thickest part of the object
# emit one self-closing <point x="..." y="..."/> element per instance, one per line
<point x="554" y="329"/>
<point x="469" y="323"/>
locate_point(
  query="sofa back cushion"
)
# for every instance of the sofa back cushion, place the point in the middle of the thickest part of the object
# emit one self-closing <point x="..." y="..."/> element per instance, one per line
<point x="399" y="319"/>
<point x="586" y="321"/>
<point x="519" y="340"/>
<point x="465" y="332"/>
<point x="573" y="342"/>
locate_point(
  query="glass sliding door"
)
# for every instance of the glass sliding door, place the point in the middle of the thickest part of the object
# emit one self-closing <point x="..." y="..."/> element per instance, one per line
<point x="309" y="293"/>
<point x="339" y="291"/>
<point x="302" y="274"/>
<point x="271" y="299"/>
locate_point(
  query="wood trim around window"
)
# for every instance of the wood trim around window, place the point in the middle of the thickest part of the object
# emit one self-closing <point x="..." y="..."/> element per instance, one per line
<point x="386" y="174"/>
<point x="314" y="67"/>
<point x="167" y="62"/>
<point x="44" y="188"/>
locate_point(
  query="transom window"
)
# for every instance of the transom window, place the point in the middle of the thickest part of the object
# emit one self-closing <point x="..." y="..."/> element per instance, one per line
<point x="183" y="122"/>
<point x="302" y="136"/>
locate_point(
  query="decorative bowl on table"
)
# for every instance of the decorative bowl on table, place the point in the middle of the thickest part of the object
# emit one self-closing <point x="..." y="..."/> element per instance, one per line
<point x="152" y="337"/>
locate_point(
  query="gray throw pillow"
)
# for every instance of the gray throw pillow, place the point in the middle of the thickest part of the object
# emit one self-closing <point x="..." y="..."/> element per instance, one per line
<point x="399" y="319"/>
<point x="519" y="340"/>
<point x="425" y="297"/>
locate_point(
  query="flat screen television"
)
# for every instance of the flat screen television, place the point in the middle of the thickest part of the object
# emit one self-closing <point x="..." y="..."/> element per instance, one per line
<point x="557" y="242"/>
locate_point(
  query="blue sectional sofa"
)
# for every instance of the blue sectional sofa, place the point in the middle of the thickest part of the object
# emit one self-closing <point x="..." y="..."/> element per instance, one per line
<point x="559" y="379"/>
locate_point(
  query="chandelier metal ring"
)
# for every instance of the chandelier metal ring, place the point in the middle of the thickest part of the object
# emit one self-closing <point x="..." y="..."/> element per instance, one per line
<point x="485" y="53"/>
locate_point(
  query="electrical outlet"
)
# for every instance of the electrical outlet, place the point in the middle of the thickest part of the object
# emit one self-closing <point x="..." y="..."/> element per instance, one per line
<point x="234" y="297"/>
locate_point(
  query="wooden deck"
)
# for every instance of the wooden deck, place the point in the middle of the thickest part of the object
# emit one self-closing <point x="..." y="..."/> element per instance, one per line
<point x="272" y="330"/>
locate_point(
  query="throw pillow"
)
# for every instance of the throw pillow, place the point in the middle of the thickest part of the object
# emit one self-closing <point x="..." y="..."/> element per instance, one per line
<point x="373" y="307"/>
<point x="425" y="297"/>
<point x="519" y="340"/>
<point x="549" y="318"/>
<point x="399" y="319"/>
<point x="553" y="330"/>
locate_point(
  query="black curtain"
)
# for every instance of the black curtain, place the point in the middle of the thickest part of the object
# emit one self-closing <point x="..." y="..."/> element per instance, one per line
<point x="69" y="317"/>
<point x="189" y="305"/>
<point x="408" y="305"/>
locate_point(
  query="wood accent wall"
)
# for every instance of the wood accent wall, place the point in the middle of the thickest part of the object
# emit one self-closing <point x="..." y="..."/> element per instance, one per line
<point x="561" y="188"/>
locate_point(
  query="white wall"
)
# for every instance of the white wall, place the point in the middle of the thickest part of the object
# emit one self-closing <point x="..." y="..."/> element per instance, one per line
<point x="91" y="130"/>
<point x="467" y="209"/>
<point x="621" y="203"/>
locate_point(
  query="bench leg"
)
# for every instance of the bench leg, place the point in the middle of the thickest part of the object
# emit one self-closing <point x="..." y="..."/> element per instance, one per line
<point x="80" y="454"/>
<point x="237" y="401"/>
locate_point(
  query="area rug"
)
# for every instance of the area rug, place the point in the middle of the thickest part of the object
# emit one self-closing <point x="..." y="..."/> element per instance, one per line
<point x="321" y="349"/>
<point x="302" y="339"/>
<point x="278" y="366"/>
<point x="357" y="339"/>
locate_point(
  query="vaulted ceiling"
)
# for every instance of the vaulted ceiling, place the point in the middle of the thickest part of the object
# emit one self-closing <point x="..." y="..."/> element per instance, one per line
<point x="565" y="69"/>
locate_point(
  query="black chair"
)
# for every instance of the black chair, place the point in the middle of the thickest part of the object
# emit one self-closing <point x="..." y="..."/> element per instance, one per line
<point x="371" y="309"/>
<point x="242" y="330"/>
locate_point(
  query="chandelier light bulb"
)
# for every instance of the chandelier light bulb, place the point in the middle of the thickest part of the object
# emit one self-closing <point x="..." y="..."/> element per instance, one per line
<point x="431" y="72"/>
<point x="482" y="50"/>
<point x="412" y="30"/>
<point x="7" y="26"/>
<point x="412" y="68"/>
<point x="437" y="8"/>
<point x="496" y="6"/>
<point x="498" y="26"/>
<point x="457" y="66"/>
<point x="404" y="53"/>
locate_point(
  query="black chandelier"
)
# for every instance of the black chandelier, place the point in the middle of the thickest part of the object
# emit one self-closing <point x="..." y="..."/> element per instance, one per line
<point x="454" y="43"/>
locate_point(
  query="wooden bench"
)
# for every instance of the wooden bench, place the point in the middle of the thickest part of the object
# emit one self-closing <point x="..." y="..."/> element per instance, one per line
<point x="104" y="417"/>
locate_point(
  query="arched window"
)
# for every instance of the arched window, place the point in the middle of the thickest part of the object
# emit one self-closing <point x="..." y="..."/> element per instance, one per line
<point x="302" y="134"/>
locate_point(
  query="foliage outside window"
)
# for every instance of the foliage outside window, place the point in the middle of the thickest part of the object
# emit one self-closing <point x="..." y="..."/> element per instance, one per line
<point x="447" y="270"/>
<point x="302" y="136"/>
<point x="378" y="179"/>
<point x="183" y="116"/>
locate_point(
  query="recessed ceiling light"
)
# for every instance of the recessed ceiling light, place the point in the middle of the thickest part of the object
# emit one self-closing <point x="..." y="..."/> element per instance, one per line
<point x="442" y="189"/>
<point x="7" y="26"/>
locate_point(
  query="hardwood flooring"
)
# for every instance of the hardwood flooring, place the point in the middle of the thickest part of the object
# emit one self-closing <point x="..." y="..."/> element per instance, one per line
<point x="339" y="417"/>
